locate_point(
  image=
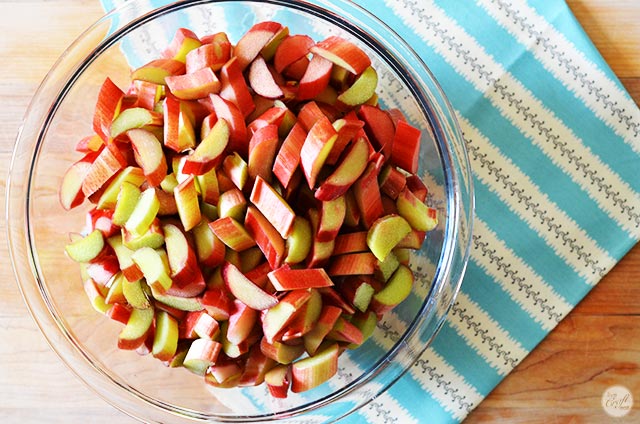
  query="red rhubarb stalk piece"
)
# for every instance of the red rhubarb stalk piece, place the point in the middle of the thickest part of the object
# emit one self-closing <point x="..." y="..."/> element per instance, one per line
<point x="286" y="278"/>
<point x="263" y="147"/>
<point x="290" y="50"/>
<point x="232" y="233"/>
<point x="105" y="165"/>
<point x="343" y="53"/>
<point x="347" y="126"/>
<point x="367" y="195"/>
<point x="312" y="371"/>
<point x="309" y="114"/>
<point x="405" y="148"/>
<point x="211" y="55"/>
<point x="234" y="87"/>
<point x="316" y="148"/>
<point x="179" y="133"/>
<point x="266" y="236"/>
<point x="262" y="81"/>
<point x="275" y="319"/>
<point x="246" y="290"/>
<point x="184" y="40"/>
<point x="196" y="85"/>
<point x="379" y="128"/>
<point x="288" y="157"/>
<point x="361" y="263"/>
<point x="210" y="151"/>
<point x="107" y="108"/>
<point x="315" y="79"/>
<point x="272" y="206"/>
<point x="351" y="243"/>
<point x="250" y="44"/>
<point x="347" y="172"/>
<point x="224" y="109"/>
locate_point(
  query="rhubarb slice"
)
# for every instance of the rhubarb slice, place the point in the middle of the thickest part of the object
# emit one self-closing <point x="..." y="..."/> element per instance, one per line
<point x="149" y="155"/>
<point x="135" y="117"/>
<point x="288" y="156"/>
<point x="165" y="339"/>
<point x="277" y="317"/>
<point x="246" y="290"/>
<point x="156" y="273"/>
<point x="144" y="212"/>
<point x="250" y="44"/>
<point x="362" y="89"/>
<point x="316" y="148"/>
<point x="343" y="53"/>
<point x="395" y="291"/>
<point x="108" y="163"/>
<point x="266" y="236"/>
<point x="195" y="85"/>
<point x="232" y="233"/>
<point x="86" y="248"/>
<point x="419" y="215"/>
<point x="386" y="233"/>
<point x="272" y="206"/>
<point x="312" y="371"/>
<point x="278" y="380"/>
<point x="285" y="278"/>
<point x="348" y="171"/>
<point x="209" y="152"/>
<point x="290" y="50"/>
<point x="135" y="332"/>
<point x="367" y="195"/>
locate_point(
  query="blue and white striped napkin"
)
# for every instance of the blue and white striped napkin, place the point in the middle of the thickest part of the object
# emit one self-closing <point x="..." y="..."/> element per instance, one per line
<point x="554" y="144"/>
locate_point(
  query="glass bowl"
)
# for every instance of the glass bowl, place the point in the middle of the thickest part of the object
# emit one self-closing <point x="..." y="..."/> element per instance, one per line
<point x="61" y="113"/>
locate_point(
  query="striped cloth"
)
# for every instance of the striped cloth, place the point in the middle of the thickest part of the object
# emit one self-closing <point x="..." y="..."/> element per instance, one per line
<point x="554" y="144"/>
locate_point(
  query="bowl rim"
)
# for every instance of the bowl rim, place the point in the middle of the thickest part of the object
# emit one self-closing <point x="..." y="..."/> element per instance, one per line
<point x="327" y="11"/>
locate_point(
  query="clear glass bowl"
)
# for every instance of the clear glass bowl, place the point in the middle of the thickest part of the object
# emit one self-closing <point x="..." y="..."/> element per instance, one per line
<point x="61" y="113"/>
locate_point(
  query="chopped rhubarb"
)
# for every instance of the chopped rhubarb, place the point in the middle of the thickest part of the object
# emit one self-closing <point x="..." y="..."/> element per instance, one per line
<point x="288" y="156"/>
<point x="405" y="147"/>
<point x="184" y="40"/>
<point x="312" y="371"/>
<point x="367" y="195"/>
<point x="263" y="147"/>
<point x="232" y="233"/>
<point x="290" y="50"/>
<point x="246" y="290"/>
<point x="252" y="207"/>
<point x="343" y="53"/>
<point x="351" y="243"/>
<point x="316" y="148"/>
<point x="286" y="278"/>
<point x="315" y="78"/>
<point x="234" y="88"/>
<point x="273" y="207"/>
<point x="266" y="236"/>
<point x="107" y="108"/>
<point x="379" y="128"/>
<point x="196" y="85"/>
<point x="362" y="263"/>
<point x="392" y="181"/>
<point x="211" y="55"/>
<point x="107" y="164"/>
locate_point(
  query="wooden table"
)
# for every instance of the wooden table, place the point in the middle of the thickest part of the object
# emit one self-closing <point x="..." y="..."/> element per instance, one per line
<point x="562" y="380"/>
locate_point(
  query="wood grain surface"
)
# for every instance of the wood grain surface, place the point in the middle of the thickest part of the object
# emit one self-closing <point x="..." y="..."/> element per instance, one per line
<point x="562" y="380"/>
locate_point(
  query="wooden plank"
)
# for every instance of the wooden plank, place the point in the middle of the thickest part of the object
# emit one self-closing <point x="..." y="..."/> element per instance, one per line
<point x="633" y="87"/>
<point x="613" y="27"/>
<point x="618" y="293"/>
